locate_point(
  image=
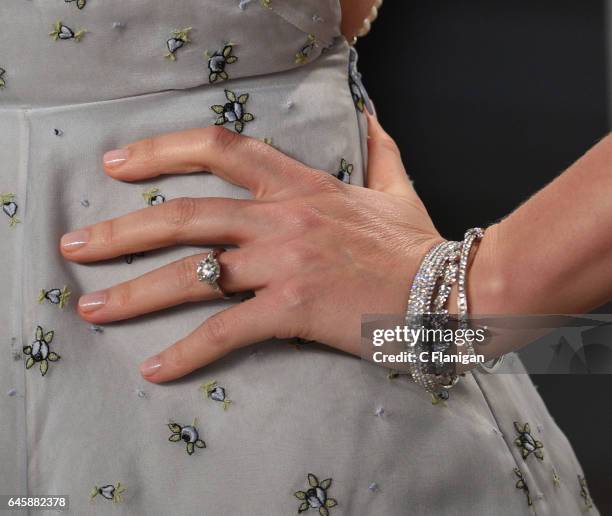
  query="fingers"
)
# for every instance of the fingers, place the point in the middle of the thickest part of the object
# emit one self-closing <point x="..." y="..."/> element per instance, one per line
<point x="251" y="321"/>
<point x="204" y="221"/>
<point x="241" y="160"/>
<point x="386" y="172"/>
<point x="175" y="284"/>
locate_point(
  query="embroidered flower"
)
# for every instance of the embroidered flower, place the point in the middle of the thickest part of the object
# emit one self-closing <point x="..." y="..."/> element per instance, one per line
<point x="9" y="207"/>
<point x="217" y="62"/>
<point x="358" y="91"/>
<point x="189" y="434"/>
<point x="39" y="351"/>
<point x="153" y="196"/>
<point x="109" y="492"/>
<point x="216" y="393"/>
<point x="556" y="478"/>
<point x="2" y="81"/>
<point x="584" y="492"/>
<point x="233" y="111"/>
<point x="301" y="56"/>
<point x="178" y="40"/>
<point x="346" y="169"/>
<point x="521" y="484"/>
<point x="79" y="3"/>
<point x="316" y="497"/>
<point x="526" y="442"/>
<point x="266" y="3"/>
<point x="61" y="31"/>
<point x="55" y="296"/>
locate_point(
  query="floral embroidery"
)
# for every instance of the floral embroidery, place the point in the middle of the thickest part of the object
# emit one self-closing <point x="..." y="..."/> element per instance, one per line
<point x="358" y="91"/>
<point x="217" y="62"/>
<point x="233" y="111"/>
<point x="153" y="196"/>
<point x="303" y="53"/>
<point x="109" y="492"/>
<point x="79" y="3"/>
<point x="216" y="393"/>
<point x="584" y="492"/>
<point x="316" y="497"/>
<point x="526" y="442"/>
<point x="189" y="434"/>
<point x="2" y="81"/>
<point x="61" y="31"/>
<point x="39" y="351"/>
<point x="9" y="207"/>
<point x="55" y="296"/>
<point x="556" y="478"/>
<point x="346" y="169"/>
<point x="178" y="40"/>
<point x="521" y="484"/>
<point x="266" y="3"/>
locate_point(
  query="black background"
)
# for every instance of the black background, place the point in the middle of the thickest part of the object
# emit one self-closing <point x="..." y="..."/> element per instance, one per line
<point x="488" y="102"/>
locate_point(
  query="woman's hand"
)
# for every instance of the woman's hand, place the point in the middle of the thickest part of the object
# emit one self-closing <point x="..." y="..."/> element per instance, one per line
<point x="317" y="252"/>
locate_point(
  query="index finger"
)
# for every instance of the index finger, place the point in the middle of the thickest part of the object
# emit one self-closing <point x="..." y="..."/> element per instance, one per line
<point x="239" y="159"/>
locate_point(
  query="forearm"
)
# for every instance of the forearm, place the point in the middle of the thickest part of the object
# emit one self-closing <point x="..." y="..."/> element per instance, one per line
<point x="553" y="254"/>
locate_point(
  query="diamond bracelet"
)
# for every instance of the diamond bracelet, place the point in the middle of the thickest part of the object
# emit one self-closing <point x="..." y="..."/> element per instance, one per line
<point x="442" y="267"/>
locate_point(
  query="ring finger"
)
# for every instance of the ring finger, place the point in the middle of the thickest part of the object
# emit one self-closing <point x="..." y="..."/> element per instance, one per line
<point x="242" y="269"/>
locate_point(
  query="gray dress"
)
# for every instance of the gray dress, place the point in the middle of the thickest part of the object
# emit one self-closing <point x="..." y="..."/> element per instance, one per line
<point x="308" y="429"/>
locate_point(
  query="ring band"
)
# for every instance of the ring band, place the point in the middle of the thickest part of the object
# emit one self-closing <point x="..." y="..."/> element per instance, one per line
<point x="209" y="270"/>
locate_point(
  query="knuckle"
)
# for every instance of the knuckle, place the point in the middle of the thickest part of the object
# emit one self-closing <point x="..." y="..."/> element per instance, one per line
<point x="326" y="183"/>
<point x="300" y="254"/>
<point x="184" y="274"/>
<point x="307" y="217"/>
<point x="221" y="139"/>
<point x="294" y="295"/>
<point x="104" y="233"/>
<point x="147" y="150"/>
<point x="215" y="331"/>
<point x="180" y="212"/>
<point x="122" y="296"/>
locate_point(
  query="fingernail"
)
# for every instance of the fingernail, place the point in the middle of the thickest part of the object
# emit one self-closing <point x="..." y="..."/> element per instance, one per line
<point x="93" y="301"/>
<point x="75" y="240"/>
<point x="115" y="157"/>
<point x="150" y="366"/>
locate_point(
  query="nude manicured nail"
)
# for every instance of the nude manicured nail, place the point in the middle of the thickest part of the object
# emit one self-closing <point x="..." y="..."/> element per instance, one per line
<point x="115" y="157"/>
<point x="75" y="240"/>
<point x="93" y="301"/>
<point x="150" y="366"/>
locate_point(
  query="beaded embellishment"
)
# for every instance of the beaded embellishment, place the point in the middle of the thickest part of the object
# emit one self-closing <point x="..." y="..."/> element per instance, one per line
<point x="215" y="392"/>
<point x="39" y="351"/>
<point x="61" y="31"/>
<point x="316" y="497"/>
<point x="526" y="442"/>
<point x="109" y="492"/>
<point x="178" y="40"/>
<point x="55" y="296"/>
<point x="302" y="55"/>
<point x="153" y="196"/>
<point x="79" y="3"/>
<point x="233" y="111"/>
<point x="189" y="434"/>
<point x="218" y="61"/>
<point x="9" y="208"/>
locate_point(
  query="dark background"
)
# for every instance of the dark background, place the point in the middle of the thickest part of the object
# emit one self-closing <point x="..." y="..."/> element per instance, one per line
<point x="488" y="102"/>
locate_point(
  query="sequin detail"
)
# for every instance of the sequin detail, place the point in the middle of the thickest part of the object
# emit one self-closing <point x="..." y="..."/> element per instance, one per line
<point x="233" y="111"/>
<point x="526" y="442"/>
<point x="63" y="32"/>
<point x="189" y="434"/>
<point x="178" y="40"/>
<point x="218" y="61"/>
<point x="9" y="208"/>
<point x="215" y="392"/>
<point x="40" y="351"/>
<point x="55" y="296"/>
<point x="109" y="492"/>
<point x="316" y="497"/>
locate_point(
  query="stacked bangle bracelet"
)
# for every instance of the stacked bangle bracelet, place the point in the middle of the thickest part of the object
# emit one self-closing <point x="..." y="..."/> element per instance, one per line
<point x="443" y="266"/>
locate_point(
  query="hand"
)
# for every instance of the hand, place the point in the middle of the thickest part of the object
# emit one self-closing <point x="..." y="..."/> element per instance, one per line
<point x="318" y="253"/>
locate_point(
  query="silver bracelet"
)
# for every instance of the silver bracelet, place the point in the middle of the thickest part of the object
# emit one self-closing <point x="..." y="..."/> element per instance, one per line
<point x="443" y="266"/>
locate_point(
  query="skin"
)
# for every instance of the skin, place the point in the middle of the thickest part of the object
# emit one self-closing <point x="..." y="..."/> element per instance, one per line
<point x="353" y="14"/>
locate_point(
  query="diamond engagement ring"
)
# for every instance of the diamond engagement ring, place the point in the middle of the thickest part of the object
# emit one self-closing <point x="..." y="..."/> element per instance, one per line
<point x="209" y="270"/>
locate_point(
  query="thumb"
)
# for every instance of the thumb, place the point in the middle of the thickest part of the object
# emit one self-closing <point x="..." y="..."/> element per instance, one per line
<point x="386" y="172"/>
